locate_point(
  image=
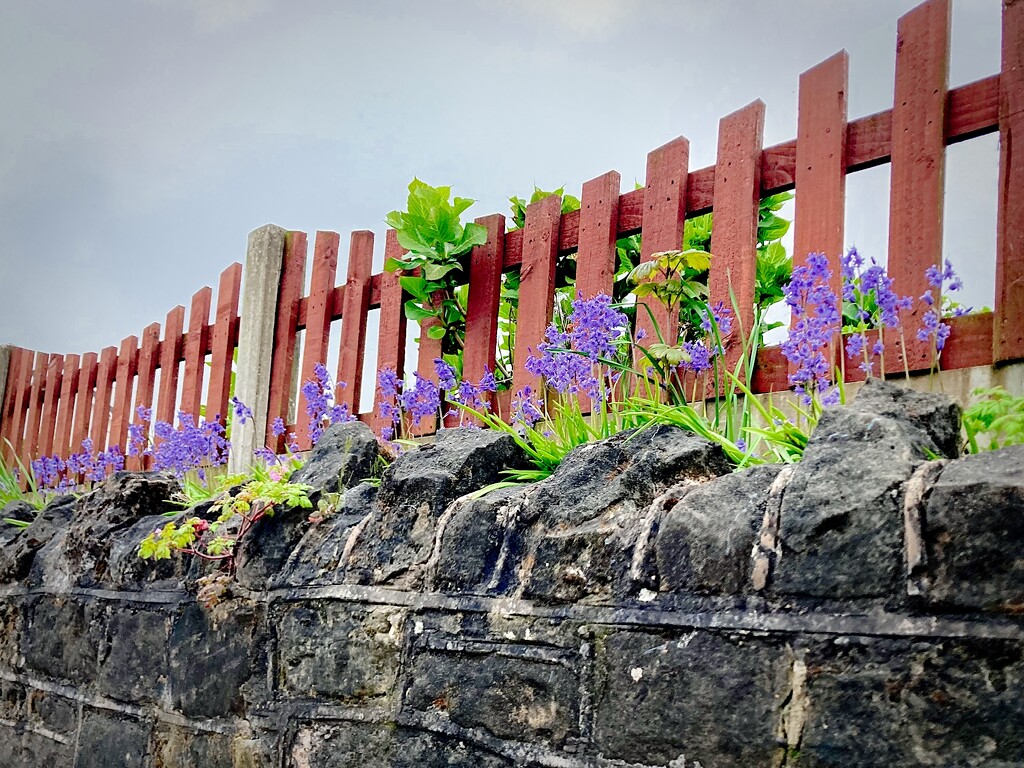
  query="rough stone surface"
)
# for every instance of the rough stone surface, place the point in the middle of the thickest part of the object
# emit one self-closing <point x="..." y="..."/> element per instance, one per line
<point x="357" y="745"/>
<point x="842" y="514"/>
<point x="578" y="533"/>
<point x="359" y="666"/>
<point x="974" y="532"/>
<point x="217" y="657"/>
<point x="318" y="557"/>
<point x="63" y="637"/>
<point x="874" y="702"/>
<point x="83" y="555"/>
<point x="21" y="511"/>
<point x="516" y="699"/>
<point x="398" y="536"/>
<point x="705" y="540"/>
<point x="344" y="456"/>
<point x="18" y="552"/>
<point x="635" y="610"/>
<point x="709" y="697"/>
<point x="112" y="742"/>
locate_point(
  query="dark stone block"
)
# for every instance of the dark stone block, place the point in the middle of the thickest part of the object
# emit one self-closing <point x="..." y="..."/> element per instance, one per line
<point x="584" y="524"/>
<point x="318" y="557"/>
<point x="937" y="415"/>
<point x="708" y="696"/>
<point x="27" y="749"/>
<point x="11" y="625"/>
<point x="63" y="637"/>
<point x="18" y="510"/>
<point x="974" y="532"/>
<point x="128" y="571"/>
<point x="344" y="456"/>
<point x="216" y="657"/>
<point x="471" y="545"/>
<point x="842" y="512"/>
<point x="397" y="539"/>
<point x="54" y="712"/>
<point x="136" y="657"/>
<point x="877" y="702"/>
<point x="114" y="506"/>
<point x="175" y="746"/>
<point x="12" y="700"/>
<point x="17" y="556"/>
<point x="515" y="699"/>
<point x="358" y="745"/>
<point x="109" y="741"/>
<point x="359" y="663"/>
<point x="704" y="542"/>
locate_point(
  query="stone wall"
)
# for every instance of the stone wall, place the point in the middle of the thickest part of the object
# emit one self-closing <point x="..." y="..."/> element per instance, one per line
<point x="644" y="606"/>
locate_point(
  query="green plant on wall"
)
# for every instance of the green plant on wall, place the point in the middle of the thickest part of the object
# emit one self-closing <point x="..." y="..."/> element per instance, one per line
<point x="432" y="233"/>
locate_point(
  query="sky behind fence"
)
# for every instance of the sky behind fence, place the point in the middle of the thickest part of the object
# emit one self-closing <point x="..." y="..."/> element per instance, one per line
<point x="140" y="143"/>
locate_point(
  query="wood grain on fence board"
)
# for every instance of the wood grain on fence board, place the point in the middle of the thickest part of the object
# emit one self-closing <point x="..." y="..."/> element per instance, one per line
<point x="918" y="159"/>
<point x="101" y="401"/>
<point x="170" y="356"/>
<point x="51" y="394"/>
<point x="318" y="324"/>
<point x="353" y="321"/>
<point x="663" y="219"/>
<point x="222" y="343"/>
<point x="734" y="228"/>
<point x="484" y="299"/>
<point x="85" y="399"/>
<point x="121" y="413"/>
<point x="821" y="164"/>
<point x="1009" y="303"/>
<point x="195" y="353"/>
<point x="35" y="407"/>
<point x="149" y="359"/>
<point x="282" y="367"/>
<point x="12" y="395"/>
<point x="391" y="323"/>
<point x="536" y="285"/>
<point x="66" y="405"/>
<point x="598" y="233"/>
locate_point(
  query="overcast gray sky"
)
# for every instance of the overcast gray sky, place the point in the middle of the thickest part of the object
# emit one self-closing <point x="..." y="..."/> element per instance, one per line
<point x="141" y="141"/>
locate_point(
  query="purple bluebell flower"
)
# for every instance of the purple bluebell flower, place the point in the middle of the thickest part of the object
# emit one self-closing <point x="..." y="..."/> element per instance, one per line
<point x="526" y="411"/>
<point x="277" y="428"/>
<point x="422" y="401"/>
<point x="242" y="412"/>
<point x="445" y="375"/>
<point x="816" y="322"/>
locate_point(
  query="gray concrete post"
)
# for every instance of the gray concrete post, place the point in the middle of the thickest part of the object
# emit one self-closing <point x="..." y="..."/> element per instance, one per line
<point x="5" y="367"/>
<point x="263" y="262"/>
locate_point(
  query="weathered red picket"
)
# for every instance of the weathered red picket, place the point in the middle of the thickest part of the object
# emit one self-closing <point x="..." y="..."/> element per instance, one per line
<point x="282" y="369"/>
<point x="918" y="157"/>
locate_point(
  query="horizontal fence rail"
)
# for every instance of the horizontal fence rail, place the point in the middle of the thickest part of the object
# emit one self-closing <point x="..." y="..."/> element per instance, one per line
<point x="50" y="402"/>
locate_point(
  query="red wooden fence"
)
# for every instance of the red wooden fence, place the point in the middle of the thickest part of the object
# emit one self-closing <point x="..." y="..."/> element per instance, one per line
<point x="53" y="401"/>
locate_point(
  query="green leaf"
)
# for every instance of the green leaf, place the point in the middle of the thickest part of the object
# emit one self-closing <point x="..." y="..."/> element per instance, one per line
<point x="415" y="286"/>
<point x="436" y="331"/>
<point x="418" y="314"/>
<point x="392" y="264"/>
<point x="438" y="271"/>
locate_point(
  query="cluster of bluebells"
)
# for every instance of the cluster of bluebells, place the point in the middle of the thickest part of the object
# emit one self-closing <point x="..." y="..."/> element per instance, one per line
<point x="321" y="407"/>
<point x="277" y="429"/>
<point x="860" y="285"/>
<point x="570" y="360"/>
<point x="942" y="282"/>
<point x="815" y="308"/>
<point x="179" y="450"/>
<point x="52" y="473"/>
<point x="421" y="400"/>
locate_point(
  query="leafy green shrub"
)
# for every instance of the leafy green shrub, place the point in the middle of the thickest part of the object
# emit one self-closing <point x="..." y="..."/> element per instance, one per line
<point x="996" y="420"/>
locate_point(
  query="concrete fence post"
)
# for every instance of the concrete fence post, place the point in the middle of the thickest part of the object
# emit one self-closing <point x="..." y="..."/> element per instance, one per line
<point x="5" y="367"/>
<point x="260" y="285"/>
